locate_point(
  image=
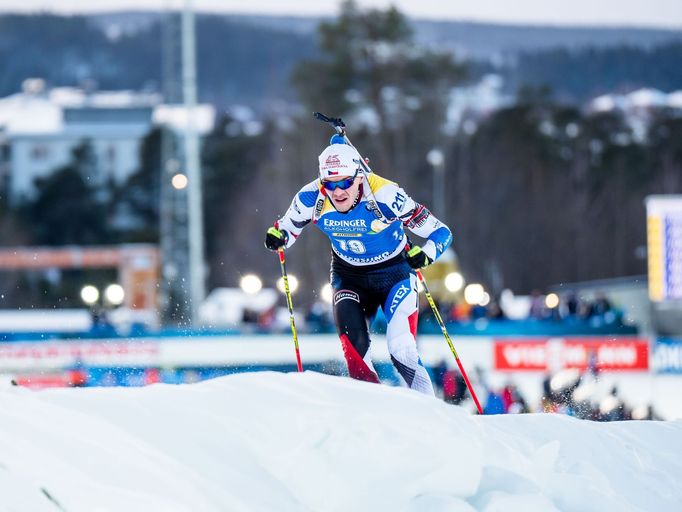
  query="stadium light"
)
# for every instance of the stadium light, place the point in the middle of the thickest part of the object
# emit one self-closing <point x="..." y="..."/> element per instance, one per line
<point x="326" y="293"/>
<point x="454" y="282"/>
<point x="474" y="293"/>
<point x="114" y="294"/>
<point x="250" y="283"/>
<point x="179" y="181"/>
<point x="89" y="294"/>
<point x="552" y="300"/>
<point x="293" y="284"/>
<point x="485" y="300"/>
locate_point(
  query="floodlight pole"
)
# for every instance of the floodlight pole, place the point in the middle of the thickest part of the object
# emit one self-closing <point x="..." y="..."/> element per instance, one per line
<point x="192" y="163"/>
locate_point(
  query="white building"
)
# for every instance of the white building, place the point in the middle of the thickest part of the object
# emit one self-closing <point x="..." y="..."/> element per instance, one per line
<point x="39" y="129"/>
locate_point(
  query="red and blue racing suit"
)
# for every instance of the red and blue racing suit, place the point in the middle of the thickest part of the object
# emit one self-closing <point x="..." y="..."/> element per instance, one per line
<point x="369" y="269"/>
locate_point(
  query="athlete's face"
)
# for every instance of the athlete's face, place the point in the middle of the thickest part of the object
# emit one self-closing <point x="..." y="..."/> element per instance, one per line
<point x="343" y="199"/>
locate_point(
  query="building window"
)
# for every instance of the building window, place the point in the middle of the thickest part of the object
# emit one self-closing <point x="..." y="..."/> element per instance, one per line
<point x="40" y="152"/>
<point x="111" y="154"/>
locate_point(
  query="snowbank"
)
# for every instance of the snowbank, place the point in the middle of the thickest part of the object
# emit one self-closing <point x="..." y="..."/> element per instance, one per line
<point x="311" y="442"/>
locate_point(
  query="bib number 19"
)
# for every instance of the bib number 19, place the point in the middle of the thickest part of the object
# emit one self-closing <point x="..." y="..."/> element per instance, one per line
<point x="355" y="246"/>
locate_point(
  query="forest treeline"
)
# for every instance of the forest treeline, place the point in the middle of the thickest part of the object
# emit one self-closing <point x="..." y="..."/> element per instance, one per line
<point x="243" y="61"/>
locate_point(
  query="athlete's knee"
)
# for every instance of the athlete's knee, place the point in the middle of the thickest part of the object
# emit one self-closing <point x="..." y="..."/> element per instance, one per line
<point x="359" y="365"/>
<point x="405" y="359"/>
<point x="354" y="334"/>
<point x="413" y="372"/>
<point x="350" y="320"/>
<point x="358" y="339"/>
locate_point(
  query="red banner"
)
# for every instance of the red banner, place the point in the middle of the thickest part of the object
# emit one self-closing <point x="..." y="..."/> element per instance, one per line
<point x="605" y="354"/>
<point x="521" y="355"/>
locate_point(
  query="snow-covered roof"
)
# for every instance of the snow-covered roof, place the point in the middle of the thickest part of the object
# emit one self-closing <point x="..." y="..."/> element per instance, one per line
<point x="607" y="102"/>
<point x="75" y="97"/>
<point x="675" y="99"/>
<point x="646" y="98"/>
<point x="177" y="117"/>
<point x="67" y="96"/>
<point x="26" y="113"/>
<point x="640" y="99"/>
<point x="38" y="112"/>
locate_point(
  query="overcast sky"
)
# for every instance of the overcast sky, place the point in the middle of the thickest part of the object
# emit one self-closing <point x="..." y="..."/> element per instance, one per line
<point x="657" y="13"/>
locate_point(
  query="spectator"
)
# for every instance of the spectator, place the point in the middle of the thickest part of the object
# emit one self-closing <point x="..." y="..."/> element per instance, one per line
<point x="78" y="374"/>
<point x="649" y="414"/>
<point x="267" y="318"/>
<point x="460" y="311"/>
<point x="439" y="372"/>
<point x="612" y="408"/>
<point x="495" y="311"/>
<point x="519" y="405"/>
<point x="537" y="305"/>
<point x="454" y="387"/>
<point x="600" y="306"/>
<point x="572" y="304"/>
<point x="507" y="397"/>
<point x="250" y="316"/>
<point x="494" y="403"/>
<point x="101" y="326"/>
<point x="478" y="311"/>
<point x="319" y="317"/>
<point x="593" y="362"/>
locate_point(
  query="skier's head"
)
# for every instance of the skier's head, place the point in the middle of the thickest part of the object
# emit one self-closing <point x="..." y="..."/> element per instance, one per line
<point x="338" y="160"/>
<point x="340" y="175"/>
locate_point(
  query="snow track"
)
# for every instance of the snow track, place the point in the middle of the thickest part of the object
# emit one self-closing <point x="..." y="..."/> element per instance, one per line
<point x="311" y="442"/>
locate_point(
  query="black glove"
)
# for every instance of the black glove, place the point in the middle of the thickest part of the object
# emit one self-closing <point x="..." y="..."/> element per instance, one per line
<point x="275" y="239"/>
<point x="417" y="258"/>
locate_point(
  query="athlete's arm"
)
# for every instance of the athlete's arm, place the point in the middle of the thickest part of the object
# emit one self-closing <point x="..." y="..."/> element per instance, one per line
<point x="418" y="219"/>
<point x="424" y="224"/>
<point x="300" y="212"/>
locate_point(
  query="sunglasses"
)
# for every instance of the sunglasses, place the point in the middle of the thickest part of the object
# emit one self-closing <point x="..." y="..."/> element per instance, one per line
<point x="343" y="184"/>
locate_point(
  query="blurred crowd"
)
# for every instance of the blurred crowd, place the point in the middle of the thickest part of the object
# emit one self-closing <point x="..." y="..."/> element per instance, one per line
<point x="568" y="307"/>
<point x="570" y="392"/>
<point x="567" y="310"/>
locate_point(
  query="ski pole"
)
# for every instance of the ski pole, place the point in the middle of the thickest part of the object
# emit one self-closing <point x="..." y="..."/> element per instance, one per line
<point x="436" y="313"/>
<point x="290" y="305"/>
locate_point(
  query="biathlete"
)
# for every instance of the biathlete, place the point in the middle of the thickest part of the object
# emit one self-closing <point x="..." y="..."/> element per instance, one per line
<point x="364" y="217"/>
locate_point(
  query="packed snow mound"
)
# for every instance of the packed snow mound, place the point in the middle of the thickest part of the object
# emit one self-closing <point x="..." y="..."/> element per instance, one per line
<point x="310" y="442"/>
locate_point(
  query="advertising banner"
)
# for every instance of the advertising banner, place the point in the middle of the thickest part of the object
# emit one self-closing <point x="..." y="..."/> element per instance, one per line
<point x="552" y="354"/>
<point x="667" y="355"/>
<point x="528" y="354"/>
<point x="664" y="247"/>
<point x="521" y="355"/>
<point x="66" y="354"/>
